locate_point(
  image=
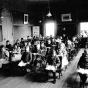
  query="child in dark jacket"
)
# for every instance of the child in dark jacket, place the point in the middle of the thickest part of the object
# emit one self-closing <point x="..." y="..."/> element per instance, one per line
<point x="83" y="67"/>
<point x="25" y="60"/>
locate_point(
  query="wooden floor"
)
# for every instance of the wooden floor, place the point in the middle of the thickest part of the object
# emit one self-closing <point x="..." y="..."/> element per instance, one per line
<point x="29" y="82"/>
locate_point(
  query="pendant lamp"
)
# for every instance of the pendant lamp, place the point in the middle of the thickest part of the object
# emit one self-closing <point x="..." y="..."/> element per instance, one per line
<point x="49" y="14"/>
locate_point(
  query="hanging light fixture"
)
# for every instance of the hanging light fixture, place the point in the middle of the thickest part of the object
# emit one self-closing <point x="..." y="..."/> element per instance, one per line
<point x="4" y="12"/>
<point x="49" y="14"/>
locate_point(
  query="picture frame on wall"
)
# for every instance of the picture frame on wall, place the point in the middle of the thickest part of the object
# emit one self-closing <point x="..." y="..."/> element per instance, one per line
<point x="25" y="18"/>
<point x="36" y="31"/>
<point x="66" y="17"/>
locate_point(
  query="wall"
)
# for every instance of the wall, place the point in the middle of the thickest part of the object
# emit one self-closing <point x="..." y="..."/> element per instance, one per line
<point x="6" y="27"/>
<point x="68" y="29"/>
<point x="21" y="31"/>
<point x="13" y="29"/>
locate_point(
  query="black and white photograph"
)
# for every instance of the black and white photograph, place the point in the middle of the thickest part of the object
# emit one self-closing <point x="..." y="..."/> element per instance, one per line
<point x="43" y="43"/>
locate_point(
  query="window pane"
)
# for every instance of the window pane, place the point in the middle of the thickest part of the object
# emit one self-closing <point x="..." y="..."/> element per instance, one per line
<point x="50" y="29"/>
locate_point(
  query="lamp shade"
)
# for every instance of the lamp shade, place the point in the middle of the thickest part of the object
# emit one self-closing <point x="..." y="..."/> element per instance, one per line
<point x="49" y="14"/>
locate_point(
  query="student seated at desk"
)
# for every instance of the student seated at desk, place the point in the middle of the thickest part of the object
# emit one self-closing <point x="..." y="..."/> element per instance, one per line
<point x="22" y="43"/>
<point x="29" y="45"/>
<point x="83" y="67"/>
<point x="52" y="64"/>
<point x="16" y="53"/>
<point x="48" y="43"/>
<point x="53" y="42"/>
<point x="25" y="59"/>
<point x="8" y="45"/>
<point x="42" y="45"/>
<point x="43" y="48"/>
<point x="17" y="42"/>
<point x="4" y="56"/>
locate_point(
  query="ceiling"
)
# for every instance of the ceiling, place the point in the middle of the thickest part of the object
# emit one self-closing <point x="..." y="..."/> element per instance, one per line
<point x="36" y="5"/>
<point x="40" y="7"/>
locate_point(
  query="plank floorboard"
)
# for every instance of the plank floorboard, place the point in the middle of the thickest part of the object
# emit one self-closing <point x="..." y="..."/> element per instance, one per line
<point x="28" y="82"/>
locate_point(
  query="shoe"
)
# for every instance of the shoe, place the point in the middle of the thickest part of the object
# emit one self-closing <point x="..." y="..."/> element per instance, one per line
<point x="54" y="82"/>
